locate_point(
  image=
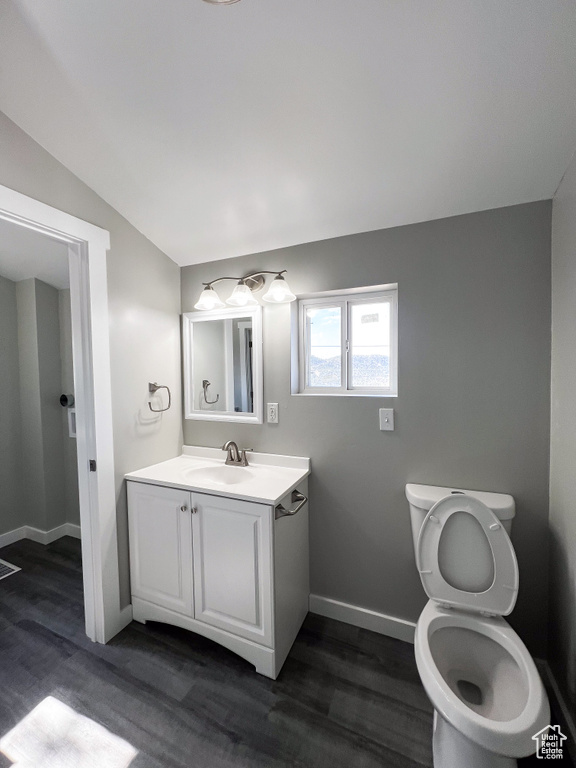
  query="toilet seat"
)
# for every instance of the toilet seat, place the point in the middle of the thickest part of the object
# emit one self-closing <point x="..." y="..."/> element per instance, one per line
<point x="499" y="598"/>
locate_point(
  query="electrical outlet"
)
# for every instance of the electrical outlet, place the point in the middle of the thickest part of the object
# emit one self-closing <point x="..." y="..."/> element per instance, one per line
<point x="272" y="413"/>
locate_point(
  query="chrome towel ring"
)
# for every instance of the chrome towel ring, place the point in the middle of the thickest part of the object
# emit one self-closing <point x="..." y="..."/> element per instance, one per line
<point x="153" y="388"/>
<point x="205" y="385"/>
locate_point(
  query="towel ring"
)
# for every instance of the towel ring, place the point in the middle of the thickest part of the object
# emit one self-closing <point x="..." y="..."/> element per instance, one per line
<point x="205" y="385"/>
<point x="153" y="388"/>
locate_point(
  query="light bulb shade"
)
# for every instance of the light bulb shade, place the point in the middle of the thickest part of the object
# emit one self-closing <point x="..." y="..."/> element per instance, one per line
<point x="279" y="292"/>
<point x="209" y="299"/>
<point x="241" y="296"/>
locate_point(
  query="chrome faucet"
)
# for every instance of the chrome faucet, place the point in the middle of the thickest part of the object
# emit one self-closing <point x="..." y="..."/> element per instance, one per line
<point x="235" y="457"/>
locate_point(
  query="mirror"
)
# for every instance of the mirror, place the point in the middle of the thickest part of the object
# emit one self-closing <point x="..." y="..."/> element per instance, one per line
<point x="223" y="365"/>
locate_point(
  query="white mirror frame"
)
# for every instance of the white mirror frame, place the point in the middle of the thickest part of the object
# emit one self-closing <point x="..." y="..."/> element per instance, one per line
<point x="188" y="321"/>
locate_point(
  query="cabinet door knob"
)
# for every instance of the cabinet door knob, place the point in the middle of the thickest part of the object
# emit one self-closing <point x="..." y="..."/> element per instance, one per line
<point x="183" y="508"/>
<point x="193" y="510"/>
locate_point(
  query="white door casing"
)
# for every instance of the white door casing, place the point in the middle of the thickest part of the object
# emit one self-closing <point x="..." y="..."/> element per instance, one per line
<point x="87" y="248"/>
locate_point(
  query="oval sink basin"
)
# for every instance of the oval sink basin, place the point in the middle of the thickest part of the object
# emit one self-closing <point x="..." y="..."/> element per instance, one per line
<point x="224" y="475"/>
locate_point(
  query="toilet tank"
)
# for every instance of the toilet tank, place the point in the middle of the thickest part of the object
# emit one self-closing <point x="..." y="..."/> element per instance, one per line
<point x="422" y="497"/>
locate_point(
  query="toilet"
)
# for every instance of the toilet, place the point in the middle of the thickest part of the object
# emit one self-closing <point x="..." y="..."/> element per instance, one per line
<point x="486" y="692"/>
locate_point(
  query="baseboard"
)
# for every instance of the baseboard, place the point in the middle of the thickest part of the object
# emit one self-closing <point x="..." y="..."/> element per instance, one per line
<point x="72" y="530"/>
<point x="559" y="704"/>
<point x="41" y="537"/>
<point x="12" y="536"/>
<point x="363" y="617"/>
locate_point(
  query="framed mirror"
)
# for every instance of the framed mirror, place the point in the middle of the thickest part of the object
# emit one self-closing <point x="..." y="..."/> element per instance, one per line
<point x="223" y="365"/>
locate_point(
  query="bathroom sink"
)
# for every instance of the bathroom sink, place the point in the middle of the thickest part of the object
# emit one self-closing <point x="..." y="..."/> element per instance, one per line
<point x="267" y="479"/>
<point x="222" y="475"/>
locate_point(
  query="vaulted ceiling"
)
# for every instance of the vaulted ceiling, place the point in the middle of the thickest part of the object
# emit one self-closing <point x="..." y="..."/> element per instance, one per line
<point x="224" y="130"/>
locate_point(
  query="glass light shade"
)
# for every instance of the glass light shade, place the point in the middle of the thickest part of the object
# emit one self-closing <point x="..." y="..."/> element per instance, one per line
<point x="209" y="299"/>
<point x="241" y="296"/>
<point x="279" y="292"/>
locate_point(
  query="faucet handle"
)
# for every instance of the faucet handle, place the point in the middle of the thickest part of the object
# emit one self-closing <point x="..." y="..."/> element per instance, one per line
<point x="243" y="457"/>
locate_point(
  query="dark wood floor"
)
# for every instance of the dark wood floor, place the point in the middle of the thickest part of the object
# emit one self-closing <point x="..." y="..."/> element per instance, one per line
<point x="345" y="697"/>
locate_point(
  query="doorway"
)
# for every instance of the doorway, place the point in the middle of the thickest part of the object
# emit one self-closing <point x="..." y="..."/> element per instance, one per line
<point x="86" y="246"/>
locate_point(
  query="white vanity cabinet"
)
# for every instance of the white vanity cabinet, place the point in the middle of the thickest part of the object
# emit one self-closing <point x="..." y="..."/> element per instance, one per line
<point x="227" y="568"/>
<point x="233" y="552"/>
<point x="160" y="530"/>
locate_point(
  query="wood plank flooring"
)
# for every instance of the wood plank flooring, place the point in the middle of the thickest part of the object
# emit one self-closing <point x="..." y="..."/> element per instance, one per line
<point x="345" y="697"/>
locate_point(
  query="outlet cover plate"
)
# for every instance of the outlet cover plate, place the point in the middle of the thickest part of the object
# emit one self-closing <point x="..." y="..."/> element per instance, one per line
<point x="272" y="413"/>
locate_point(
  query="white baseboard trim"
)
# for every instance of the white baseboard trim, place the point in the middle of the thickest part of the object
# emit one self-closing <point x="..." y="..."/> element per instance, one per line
<point x="72" y="530"/>
<point x="41" y="537"/>
<point x="363" y="617"/>
<point x="12" y="536"/>
<point x="560" y="703"/>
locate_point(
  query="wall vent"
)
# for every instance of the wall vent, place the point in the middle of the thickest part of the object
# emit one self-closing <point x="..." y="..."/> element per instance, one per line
<point x="7" y="569"/>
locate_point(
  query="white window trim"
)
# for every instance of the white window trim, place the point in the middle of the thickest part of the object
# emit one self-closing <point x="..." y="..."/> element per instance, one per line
<point x="345" y="299"/>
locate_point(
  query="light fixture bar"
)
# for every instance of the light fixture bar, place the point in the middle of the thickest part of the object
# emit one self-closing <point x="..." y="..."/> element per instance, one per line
<point x="278" y="292"/>
<point x="248" y="277"/>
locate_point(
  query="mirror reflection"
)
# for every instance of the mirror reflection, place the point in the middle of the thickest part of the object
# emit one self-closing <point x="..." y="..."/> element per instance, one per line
<point x="223" y="378"/>
<point x="223" y="365"/>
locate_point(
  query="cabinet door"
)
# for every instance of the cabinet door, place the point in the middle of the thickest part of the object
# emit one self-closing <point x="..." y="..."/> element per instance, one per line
<point x="160" y="531"/>
<point x="232" y="566"/>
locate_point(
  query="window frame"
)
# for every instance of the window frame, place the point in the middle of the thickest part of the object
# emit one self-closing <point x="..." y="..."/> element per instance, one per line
<point x="346" y="300"/>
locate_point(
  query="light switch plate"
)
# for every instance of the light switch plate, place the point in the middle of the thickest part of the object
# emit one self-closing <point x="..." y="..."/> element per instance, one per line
<point x="272" y="413"/>
<point x="387" y="419"/>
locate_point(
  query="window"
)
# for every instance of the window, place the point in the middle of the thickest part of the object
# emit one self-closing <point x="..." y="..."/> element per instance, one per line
<point x="348" y="342"/>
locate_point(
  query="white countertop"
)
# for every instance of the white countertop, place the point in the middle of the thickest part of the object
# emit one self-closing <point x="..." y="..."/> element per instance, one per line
<point x="267" y="479"/>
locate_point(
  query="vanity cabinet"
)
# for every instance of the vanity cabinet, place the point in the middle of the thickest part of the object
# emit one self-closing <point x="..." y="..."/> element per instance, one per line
<point x="232" y="552"/>
<point x="223" y="567"/>
<point x="160" y="529"/>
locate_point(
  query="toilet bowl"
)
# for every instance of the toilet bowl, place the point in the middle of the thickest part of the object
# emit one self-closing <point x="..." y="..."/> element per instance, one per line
<point x="486" y="692"/>
<point x="484" y="686"/>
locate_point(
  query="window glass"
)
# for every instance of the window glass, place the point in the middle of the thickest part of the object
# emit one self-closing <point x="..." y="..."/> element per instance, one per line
<point x="370" y="344"/>
<point x="347" y="343"/>
<point x="324" y="325"/>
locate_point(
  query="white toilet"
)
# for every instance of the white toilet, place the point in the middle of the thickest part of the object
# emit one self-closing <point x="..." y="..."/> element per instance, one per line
<point x="486" y="691"/>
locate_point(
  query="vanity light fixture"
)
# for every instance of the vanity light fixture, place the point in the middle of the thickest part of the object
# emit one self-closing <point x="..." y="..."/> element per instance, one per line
<point x="209" y="299"/>
<point x="241" y="296"/>
<point x="278" y="293"/>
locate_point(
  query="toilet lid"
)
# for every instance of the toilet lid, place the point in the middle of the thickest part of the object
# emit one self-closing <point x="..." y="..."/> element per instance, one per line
<point x="465" y="557"/>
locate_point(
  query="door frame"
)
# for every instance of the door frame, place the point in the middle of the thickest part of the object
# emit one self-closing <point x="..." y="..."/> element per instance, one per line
<point x="87" y="248"/>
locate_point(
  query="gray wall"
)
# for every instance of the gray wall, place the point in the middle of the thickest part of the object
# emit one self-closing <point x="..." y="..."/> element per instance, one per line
<point x="144" y="304"/>
<point x="43" y="499"/>
<point x="50" y="370"/>
<point x="38" y="472"/>
<point x="33" y="499"/>
<point x="562" y="637"/>
<point x="472" y="410"/>
<point x="10" y="430"/>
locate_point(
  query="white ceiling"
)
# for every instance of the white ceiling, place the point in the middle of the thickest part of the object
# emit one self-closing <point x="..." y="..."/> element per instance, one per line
<point x="25" y="253"/>
<point x="224" y="130"/>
